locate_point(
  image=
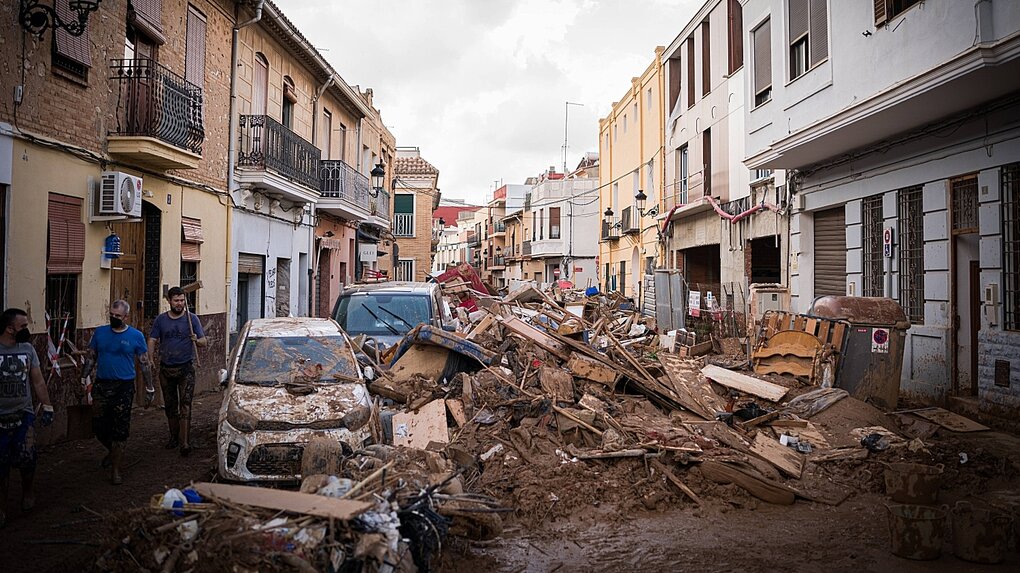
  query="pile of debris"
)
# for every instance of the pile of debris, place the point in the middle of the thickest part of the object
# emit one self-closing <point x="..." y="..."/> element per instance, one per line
<point x="542" y="403"/>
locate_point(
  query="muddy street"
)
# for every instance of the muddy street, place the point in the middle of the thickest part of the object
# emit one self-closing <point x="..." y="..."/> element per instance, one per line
<point x="76" y="501"/>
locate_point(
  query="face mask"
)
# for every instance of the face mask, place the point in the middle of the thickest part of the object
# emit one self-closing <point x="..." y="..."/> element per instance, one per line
<point x="116" y="322"/>
<point x="22" y="335"/>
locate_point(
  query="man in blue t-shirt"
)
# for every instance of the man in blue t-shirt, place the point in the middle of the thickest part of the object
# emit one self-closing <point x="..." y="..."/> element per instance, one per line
<point x="113" y="350"/>
<point x="179" y="333"/>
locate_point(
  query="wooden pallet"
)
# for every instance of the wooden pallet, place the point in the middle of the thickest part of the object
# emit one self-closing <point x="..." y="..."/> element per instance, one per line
<point x="796" y="344"/>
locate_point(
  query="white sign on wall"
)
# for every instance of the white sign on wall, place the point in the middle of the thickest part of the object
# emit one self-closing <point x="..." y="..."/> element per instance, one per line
<point x="368" y="252"/>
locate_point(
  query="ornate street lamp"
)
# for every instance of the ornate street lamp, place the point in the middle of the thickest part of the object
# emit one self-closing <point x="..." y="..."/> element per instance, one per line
<point x="378" y="173"/>
<point x="36" y="18"/>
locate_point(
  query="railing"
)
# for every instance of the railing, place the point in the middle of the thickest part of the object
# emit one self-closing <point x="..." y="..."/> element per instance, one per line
<point x="152" y="101"/>
<point x="341" y="181"/>
<point x="268" y="144"/>
<point x="498" y="227"/>
<point x="403" y="224"/>
<point x="498" y="261"/>
<point x="473" y="239"/>
<point x="380" y="206"/>
<point x="611" y="230"/>
<point x="526" y="248"/>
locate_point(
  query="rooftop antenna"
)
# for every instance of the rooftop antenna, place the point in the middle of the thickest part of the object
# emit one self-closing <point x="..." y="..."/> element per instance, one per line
<point x="566" y="115"/>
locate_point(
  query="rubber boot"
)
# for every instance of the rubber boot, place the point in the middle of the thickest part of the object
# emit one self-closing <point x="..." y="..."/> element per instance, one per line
<point x="174" y="424"/>
<point x="117" y="458"/>
<point x="185" y="431"/>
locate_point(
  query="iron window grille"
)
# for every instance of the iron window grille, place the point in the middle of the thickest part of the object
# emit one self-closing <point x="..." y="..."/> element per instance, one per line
<point x="1011" y="246"/>
<point x="911" y="251"/>
<point x="872" y="242"/>
<point x="965" y="205"/>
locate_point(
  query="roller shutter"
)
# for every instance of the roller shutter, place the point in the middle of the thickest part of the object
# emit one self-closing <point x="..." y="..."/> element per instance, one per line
<point x="830" y="252"/>
<point x="249" y="264"/>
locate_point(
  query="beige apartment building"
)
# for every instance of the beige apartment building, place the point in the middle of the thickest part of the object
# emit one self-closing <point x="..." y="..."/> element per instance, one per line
<point x="631" y="176"/>
<point x="415" y="197"/>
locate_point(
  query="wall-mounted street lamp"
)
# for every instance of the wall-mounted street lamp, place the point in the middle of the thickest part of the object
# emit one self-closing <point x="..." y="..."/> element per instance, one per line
<point x="640" y="199"/>
<point x="36" y="18"/>
<point x="608" y="220"/>
<point x="378" y="173"/>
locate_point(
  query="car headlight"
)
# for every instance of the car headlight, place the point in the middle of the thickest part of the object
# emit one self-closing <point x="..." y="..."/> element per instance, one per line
<point x="239" y="418"/>
<point x="357" y="417"/>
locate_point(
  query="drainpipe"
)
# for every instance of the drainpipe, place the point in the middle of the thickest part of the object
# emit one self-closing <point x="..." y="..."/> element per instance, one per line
<point x="232" y="146"/>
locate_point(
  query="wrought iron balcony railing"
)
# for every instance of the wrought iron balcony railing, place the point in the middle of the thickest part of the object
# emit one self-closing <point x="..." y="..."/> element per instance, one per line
<point x="380" y="206"/>
<point x="268" y="144"/>
<point x="338" y="180"/>
<point x="403" y="224"/>
<point x="154" y="102"/>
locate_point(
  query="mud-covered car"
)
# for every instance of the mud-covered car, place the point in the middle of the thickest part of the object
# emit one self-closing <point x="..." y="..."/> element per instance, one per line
<point x="289" y="381"/>
<point x="386" y="312"/>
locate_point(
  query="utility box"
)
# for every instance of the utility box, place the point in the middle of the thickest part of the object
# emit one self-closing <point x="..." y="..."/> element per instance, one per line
<point x="763" y="298"/>
<point x="872" y="355"/>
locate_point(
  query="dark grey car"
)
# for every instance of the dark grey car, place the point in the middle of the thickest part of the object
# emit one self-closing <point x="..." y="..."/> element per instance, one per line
<point x="387" y="311"/>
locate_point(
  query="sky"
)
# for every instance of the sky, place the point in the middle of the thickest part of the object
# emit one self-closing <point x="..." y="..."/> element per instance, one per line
<point x="481" y="86"/>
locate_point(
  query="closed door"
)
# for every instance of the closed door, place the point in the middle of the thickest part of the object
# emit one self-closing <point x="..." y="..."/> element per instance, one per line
<point x="127" y="278"/>
<point x="830" y="252"/>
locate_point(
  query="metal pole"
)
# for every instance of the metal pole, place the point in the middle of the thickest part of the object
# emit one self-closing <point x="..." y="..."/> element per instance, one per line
<point x="566" y="115"/>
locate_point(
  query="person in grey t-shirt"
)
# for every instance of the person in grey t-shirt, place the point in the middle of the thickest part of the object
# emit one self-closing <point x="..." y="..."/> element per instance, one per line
<point x="20" y="377"/>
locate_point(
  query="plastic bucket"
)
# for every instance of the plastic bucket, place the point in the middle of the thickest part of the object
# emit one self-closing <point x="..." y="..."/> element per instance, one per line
<point x="979" y="535"/>
<point x="915" y="531"/>
<point x="913" y="483"/>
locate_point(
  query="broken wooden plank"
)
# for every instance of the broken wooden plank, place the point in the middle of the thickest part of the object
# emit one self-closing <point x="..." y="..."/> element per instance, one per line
<point x="456" y="409"/>
<point x="950" y="420"/>
<point x="482" y="326"/>
<point x="676" y="481"/>
<point x="744" y="383"/>
<point x="634" y="453"/>
<point x="755" y="484"/>
<point x="787" y="460"/>
<point x="418" y="430"/>
<point x="526" y="331"/>
<point x="591" y="369"/>
<point x="279" y="499"/>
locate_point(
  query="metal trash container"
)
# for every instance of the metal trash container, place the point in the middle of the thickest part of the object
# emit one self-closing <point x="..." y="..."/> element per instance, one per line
<point x="872" y="355"/>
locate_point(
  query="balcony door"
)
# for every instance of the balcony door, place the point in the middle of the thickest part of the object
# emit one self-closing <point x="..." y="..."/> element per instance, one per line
<point x="260" y="85"/>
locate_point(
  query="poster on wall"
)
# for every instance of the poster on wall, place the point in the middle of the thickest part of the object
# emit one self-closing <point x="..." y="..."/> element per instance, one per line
<point x="694" y="303"/>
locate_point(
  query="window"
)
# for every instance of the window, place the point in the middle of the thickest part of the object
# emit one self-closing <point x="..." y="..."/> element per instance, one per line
<point x="605" y="285"/>
<point x="616" y="198"/>
<point x="3" y="246"/>
<point x="886" y="10"/>
<point x="327" y="133"/>
<point x="871" y="235"/>
<point x="534" y="225"/>
<point x="706" y="154"/>
<point x="343" y="142"/>
<point x="616" y="131"/>
<point x="260" y="85"/>
<point x="911" y="251"/>
<point x="554" y="222"/>
<point x="675" y="70"/>
<point x="289" y="99"/>
<point x="624" y="123"/>
<point x="191" y="255"/>
<point x="1011" y="246"/>
<point x="403" y="215"/>
<point x="541" y="226"/>
<point x="965" y="204"/>
<point x="759" y="174"/>
<point x="683" y="171"/>
<point x="690" y="71"/>
<point x="66" y="235"/>
<point x="62" y="306"/>
<point x="189" y="274"/>
<point x="194" y="61"/>
<point x="633" y="111"/>
<point x="648" y="99"/>
<point x="761" y="42"/>
<point x="809" y="35"/>
<point x="706" y="59"/>
<point x="71" y="54"/>
<point x="735" y="34"/>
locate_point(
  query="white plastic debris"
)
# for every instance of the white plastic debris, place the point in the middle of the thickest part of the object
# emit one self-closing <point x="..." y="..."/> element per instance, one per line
<point x="336" y="487"/>
<point x="491" y="452"/>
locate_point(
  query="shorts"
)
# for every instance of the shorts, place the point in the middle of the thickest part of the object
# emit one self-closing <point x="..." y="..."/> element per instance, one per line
<point x="17" y="445"/>
<point x="111" y="414"/>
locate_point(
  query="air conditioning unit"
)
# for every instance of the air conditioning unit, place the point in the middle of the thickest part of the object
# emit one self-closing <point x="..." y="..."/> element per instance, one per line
<point x="120" y="195"/>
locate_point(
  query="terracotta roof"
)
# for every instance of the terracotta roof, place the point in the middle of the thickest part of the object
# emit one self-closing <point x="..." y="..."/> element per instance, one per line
<point x="413" y="166"/>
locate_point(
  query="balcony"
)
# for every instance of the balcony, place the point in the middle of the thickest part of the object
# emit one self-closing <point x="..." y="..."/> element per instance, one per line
<point x="544" y="248"/>
<point x="497" y="228"/>
<point x="159" y="116"/>
<point x="497" y="263"/>
<point x="473" y="239"/>
<point x="403" y="224"/>
<point x="630" y="224"/>
<point x="611" y="230"/>
<point x="273" y="157"/>
<point x="346" y="193"/>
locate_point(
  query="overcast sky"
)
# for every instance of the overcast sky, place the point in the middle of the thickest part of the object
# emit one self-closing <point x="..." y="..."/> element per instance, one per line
<point x="480" y="85"/>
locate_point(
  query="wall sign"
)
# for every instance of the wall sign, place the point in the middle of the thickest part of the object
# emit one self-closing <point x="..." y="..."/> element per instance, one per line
<point x="368" y="252"/>
<point x="880" y="340"/>
<point x="887" y="237"/>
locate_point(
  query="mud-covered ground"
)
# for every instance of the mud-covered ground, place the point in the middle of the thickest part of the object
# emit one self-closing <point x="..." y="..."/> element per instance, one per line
<point x="577" y="516"/>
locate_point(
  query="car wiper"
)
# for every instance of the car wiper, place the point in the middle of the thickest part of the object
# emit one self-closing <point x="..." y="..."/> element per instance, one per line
<point x="396" y="316"/>
<point x="388" y="325"/>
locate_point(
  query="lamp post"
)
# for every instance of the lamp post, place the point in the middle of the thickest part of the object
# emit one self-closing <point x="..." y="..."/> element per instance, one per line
<point x="378" y="174"/>
<point x="566" y="114"/>
<point x="36" y="18"/>
<point x="640" y="200"/>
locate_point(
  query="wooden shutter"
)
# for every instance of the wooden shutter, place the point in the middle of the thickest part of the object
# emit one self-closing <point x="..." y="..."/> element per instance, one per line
<point x="249" y="264"/>
<point x="674" y="70"/>
<point x="690" y="71"/>
<point x="191" y="239"/>
<point x="799" y="19"/>
<point x="66" y="235"/>
<point x="145" y="16"/>
<point x="762" y="39"/>
<point x="75" y="48"/>
<point x="191" y="252"/>
<point x="194" y="63"/>
<point x="881" y="12"/>
<point x="735" y="15"/>
<point x="830" y="252"/>
<point x="706" y="59"/>
<point x="261" y="85"/>
<point x="818" y="39"/>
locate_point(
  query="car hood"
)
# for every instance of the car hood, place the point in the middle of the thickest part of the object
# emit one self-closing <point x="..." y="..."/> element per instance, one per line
<point x="329" y="401"/>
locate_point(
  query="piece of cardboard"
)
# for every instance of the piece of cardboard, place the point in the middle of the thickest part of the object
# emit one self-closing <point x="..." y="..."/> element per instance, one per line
<point x="787" y="460"/>
<point x="456" y="408"/>
<point x="279" y="499"/>
<point x="591" y="369"/>
<point x="417" y="430"/>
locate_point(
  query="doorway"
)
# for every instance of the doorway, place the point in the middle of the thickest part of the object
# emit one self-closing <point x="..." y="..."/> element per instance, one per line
<point x="966" y="294"/>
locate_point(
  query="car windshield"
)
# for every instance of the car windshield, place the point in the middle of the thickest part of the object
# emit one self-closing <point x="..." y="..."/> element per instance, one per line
<point x="382" y="313"/>
<point x="276" y="360"/>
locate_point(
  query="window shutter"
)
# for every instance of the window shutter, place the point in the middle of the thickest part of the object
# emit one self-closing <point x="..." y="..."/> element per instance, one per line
<point x="736" y="35"/>
<point x="66" y="246"/>
<point x="145" y="17"/>
<point x="799" y="19"/>
<point x="819" y="37"/>
<point x="762" y="56"/>
<point x="706" y="59"/>
<point x="403" y="203"/>
<point x="194" y="63"/>
<point x="191" y="252"/>
<point x="690" y="71"/>
<point x="261" y="87"/>
<point x="191" y="230"/>
<point x="881" y="14"/>
<point x="249" y="264"/>
<point x="75" y="48"/>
